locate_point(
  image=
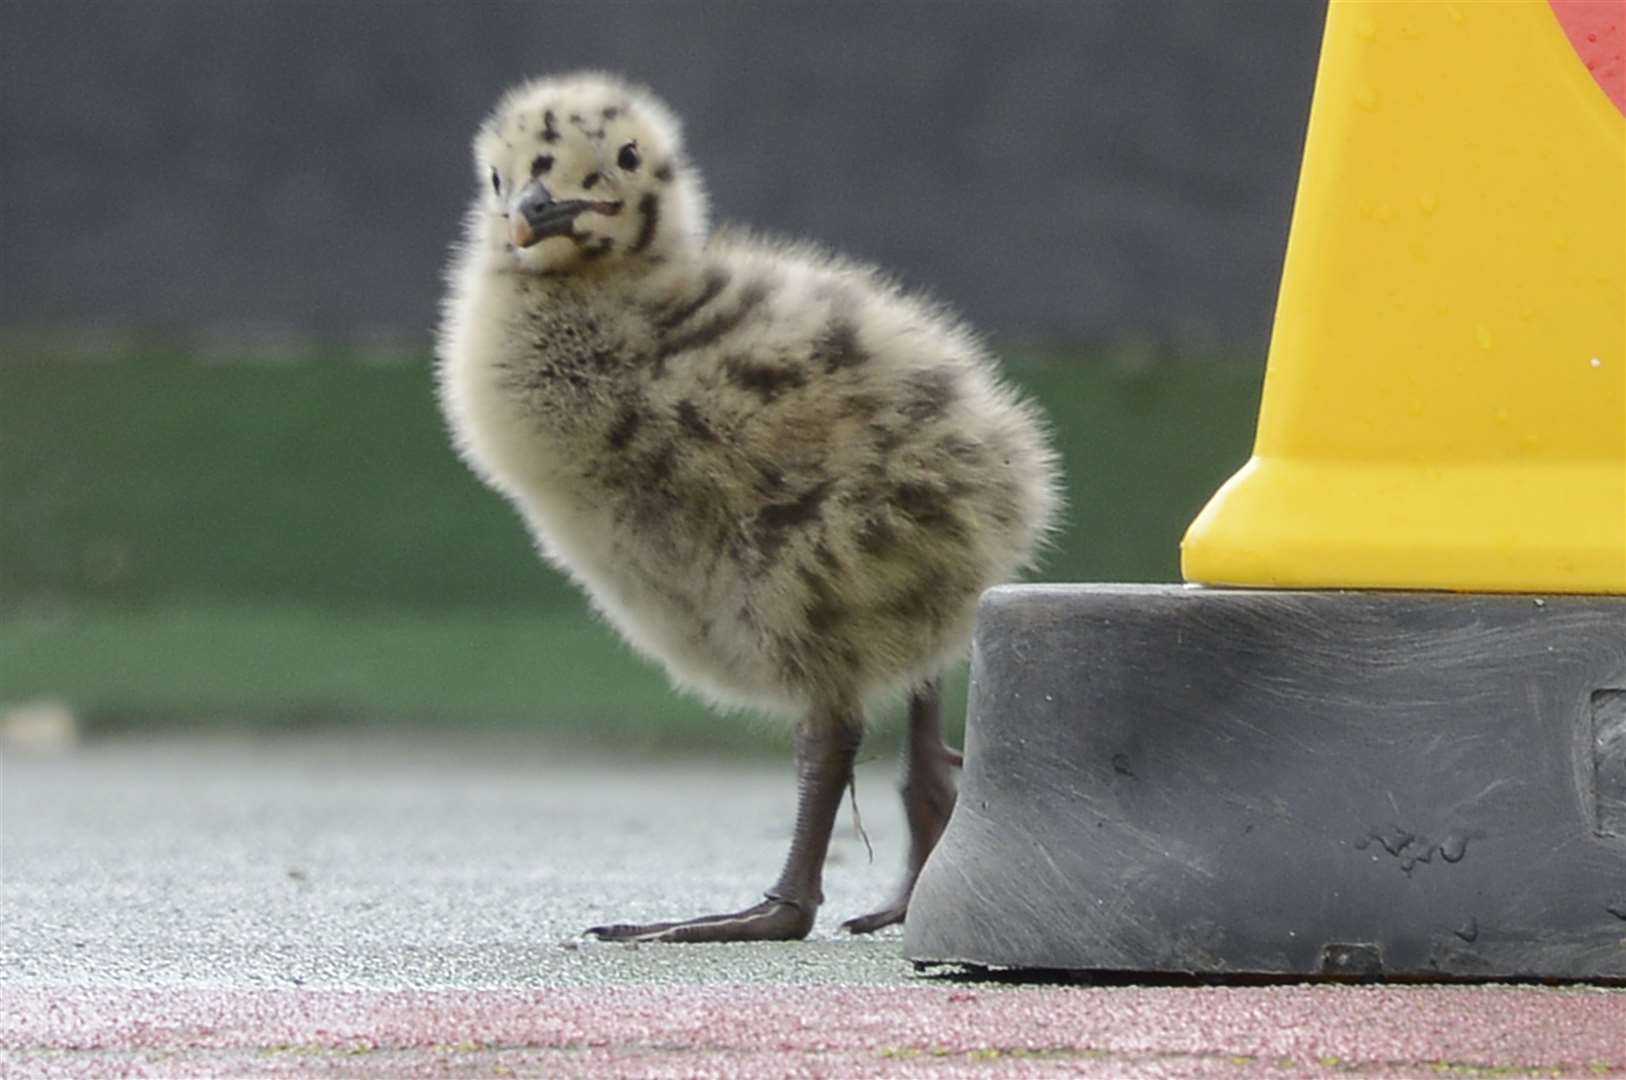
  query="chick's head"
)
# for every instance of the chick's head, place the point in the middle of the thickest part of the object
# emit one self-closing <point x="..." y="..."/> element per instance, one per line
<point x="585" y="171"/>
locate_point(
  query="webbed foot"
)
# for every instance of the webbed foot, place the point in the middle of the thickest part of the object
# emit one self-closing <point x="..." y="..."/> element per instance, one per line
<point x="771" y="920"/>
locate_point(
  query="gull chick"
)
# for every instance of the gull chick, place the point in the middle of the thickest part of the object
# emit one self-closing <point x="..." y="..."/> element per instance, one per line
<point x="770" y="469"/>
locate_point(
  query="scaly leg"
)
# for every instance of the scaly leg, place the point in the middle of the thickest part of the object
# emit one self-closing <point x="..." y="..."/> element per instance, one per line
<point x="928" y="798"/>
<point x="825" y="747"/>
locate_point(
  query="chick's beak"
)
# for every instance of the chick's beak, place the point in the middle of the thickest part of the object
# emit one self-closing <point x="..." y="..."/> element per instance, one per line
<point x="536" y="215"/>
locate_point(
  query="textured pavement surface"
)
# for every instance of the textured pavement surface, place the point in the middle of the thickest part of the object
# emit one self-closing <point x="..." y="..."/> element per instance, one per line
<point x="324" y="906"/>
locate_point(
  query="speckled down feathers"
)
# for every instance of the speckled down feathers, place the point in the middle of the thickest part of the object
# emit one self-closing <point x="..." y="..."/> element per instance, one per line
<point x="772" y="470"/>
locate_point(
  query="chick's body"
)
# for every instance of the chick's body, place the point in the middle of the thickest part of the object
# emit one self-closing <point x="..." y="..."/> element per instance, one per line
<point x="771" y="470"/>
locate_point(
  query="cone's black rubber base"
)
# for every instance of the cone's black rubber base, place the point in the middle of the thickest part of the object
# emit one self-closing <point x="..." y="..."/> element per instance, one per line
<point x="1175" y="780"/>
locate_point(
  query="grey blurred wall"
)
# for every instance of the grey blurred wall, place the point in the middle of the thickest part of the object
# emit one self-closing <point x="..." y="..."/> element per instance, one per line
<point x="1083" y="170"/>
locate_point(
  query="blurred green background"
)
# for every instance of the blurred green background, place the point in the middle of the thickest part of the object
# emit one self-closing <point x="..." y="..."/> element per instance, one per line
<point x="293" y="542"/>
<point x="226" y="497"/>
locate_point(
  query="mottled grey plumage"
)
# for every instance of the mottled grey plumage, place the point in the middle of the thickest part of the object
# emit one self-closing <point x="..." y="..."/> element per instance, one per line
<point x="772" y="470"/>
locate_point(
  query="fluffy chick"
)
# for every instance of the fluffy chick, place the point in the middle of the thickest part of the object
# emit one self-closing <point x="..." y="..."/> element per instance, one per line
<point x="770" y="469"/>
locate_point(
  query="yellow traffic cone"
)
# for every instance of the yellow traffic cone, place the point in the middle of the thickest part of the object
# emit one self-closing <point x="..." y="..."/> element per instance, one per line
<point x="1309" y="781"/>
<point x="1445" y="401"/>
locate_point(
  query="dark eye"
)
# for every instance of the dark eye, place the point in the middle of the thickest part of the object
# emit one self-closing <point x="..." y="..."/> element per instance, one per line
<point x="628" y="158"/>
<point x="496" y="182"/>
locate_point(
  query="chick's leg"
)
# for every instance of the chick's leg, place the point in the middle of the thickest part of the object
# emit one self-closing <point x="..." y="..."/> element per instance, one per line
<point x="928" y="798"/>
<point x="825" y="748"/>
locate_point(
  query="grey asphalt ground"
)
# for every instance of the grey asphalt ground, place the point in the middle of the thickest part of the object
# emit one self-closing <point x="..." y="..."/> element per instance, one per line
<point x="347" y="861"/>
<point x="385" y="907"/>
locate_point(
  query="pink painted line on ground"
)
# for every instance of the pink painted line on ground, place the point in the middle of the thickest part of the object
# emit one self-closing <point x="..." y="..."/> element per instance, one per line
<point x="756" y="1030"/>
